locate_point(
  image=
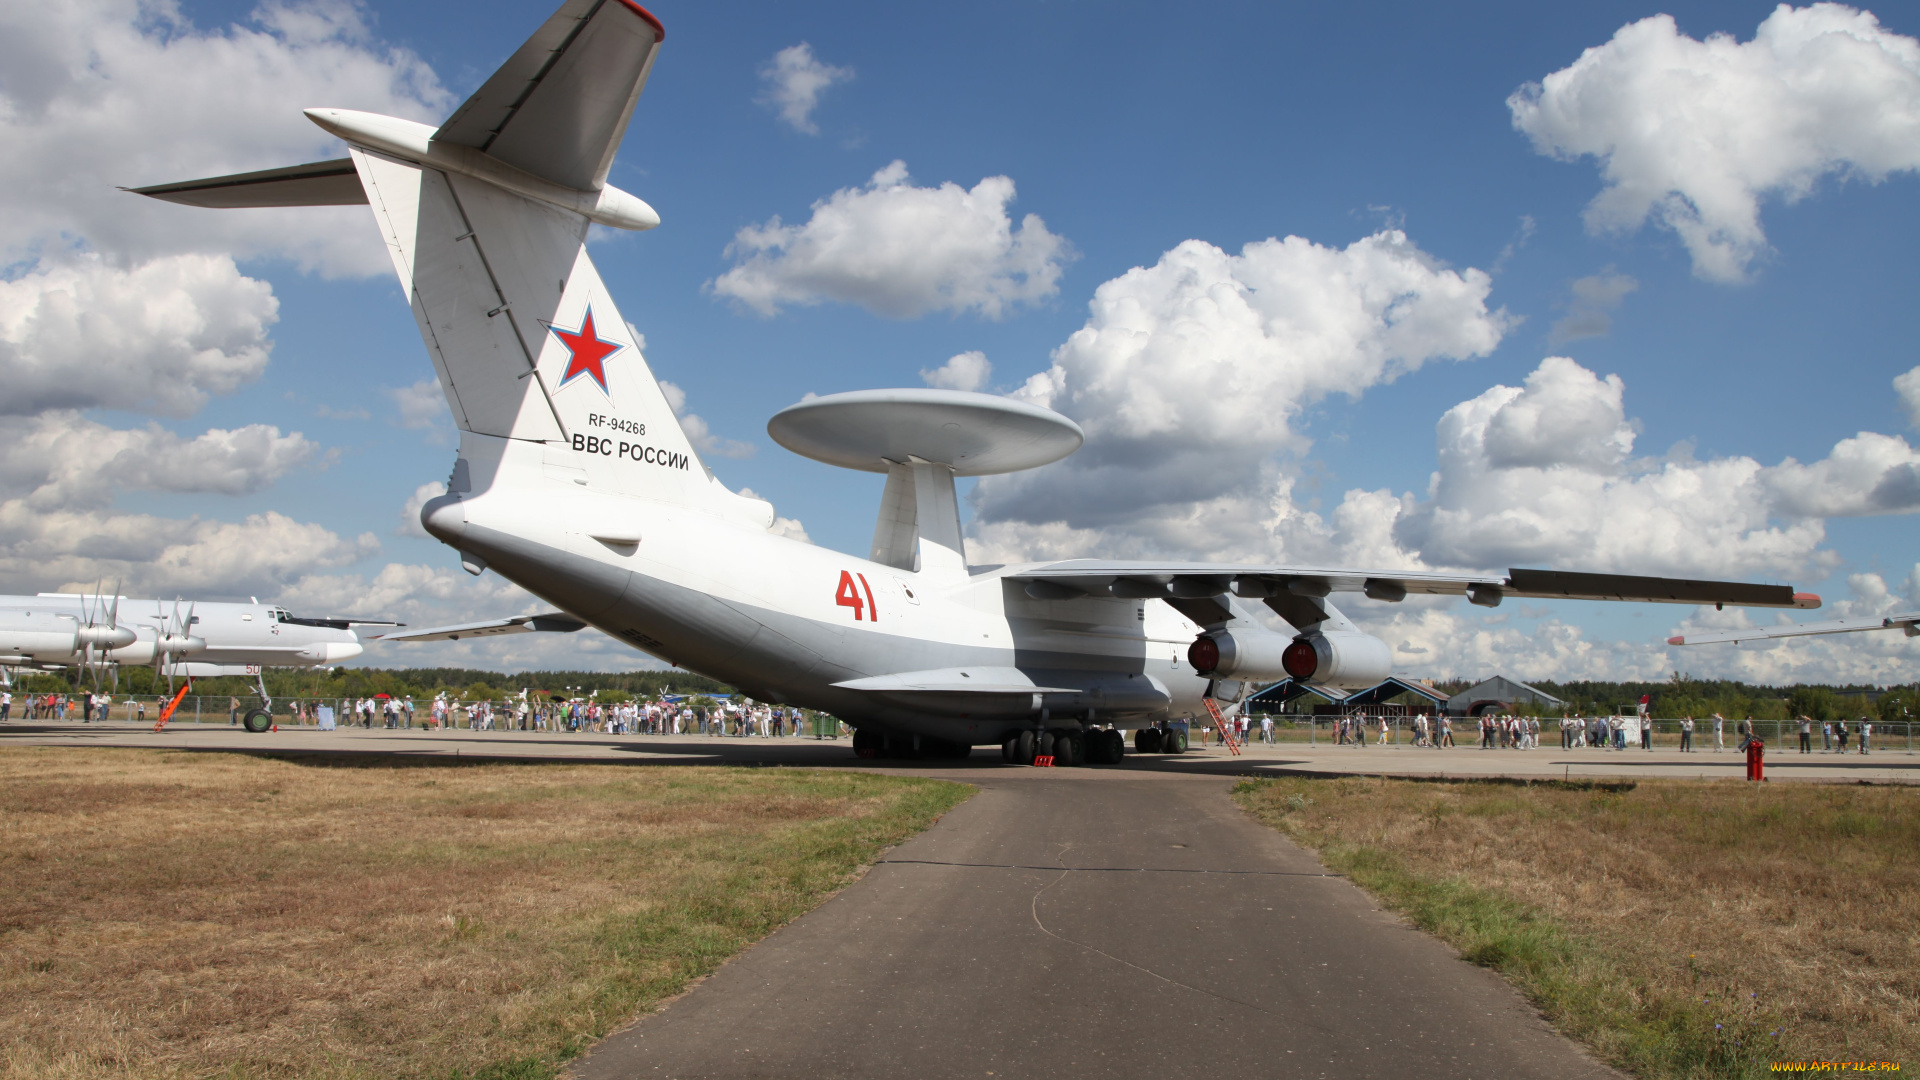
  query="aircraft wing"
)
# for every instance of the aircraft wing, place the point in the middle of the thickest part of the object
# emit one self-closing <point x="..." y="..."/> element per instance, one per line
<point x="560" y="104"/>
<point x="320" y="183"/>
<point x="1905" y="620"/>
<point x="551" y="622"/>
<point x="1101" y="577"/>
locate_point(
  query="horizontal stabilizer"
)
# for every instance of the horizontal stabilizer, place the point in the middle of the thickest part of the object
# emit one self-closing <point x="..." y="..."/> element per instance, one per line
<point x="550" y="622"/>
<point x="320" y="183"/>
<point x="560" y="104"/>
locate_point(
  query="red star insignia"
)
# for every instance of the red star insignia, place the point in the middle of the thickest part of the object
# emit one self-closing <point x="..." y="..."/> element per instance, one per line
<point x="589" y="352"/>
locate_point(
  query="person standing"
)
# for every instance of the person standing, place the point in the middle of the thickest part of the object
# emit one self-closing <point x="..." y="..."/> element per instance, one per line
<point x="1866" y="733"/>
<point x="6" y="705"/>
<point x="1719" y="733"/>
<point x="1686" y="734"/>
<point x="1806" y="734"/>
<point x="1840" y="734"/>
<point x="1646" y="732"/>
<point x="1826" y="736"/>
<point x="1266" y="729"/>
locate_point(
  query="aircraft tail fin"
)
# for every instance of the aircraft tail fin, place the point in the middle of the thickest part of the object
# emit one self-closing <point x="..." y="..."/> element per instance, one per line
<point x="560" y="104"/>
<point x="486" y="222"/>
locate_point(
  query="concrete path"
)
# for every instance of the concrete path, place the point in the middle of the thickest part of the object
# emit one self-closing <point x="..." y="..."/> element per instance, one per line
<point x="1095" y="923"/>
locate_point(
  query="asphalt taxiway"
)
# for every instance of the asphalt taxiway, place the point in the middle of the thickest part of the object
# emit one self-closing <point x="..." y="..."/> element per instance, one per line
<point x="1094" y="923"/>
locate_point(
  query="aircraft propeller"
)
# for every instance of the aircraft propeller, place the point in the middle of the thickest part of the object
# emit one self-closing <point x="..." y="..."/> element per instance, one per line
<point x="173" y="639"/>
<point x="101" y="633"/>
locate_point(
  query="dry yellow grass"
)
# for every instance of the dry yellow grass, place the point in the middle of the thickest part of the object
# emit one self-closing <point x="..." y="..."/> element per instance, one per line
<point x="165" y="914"/>
<point x="1641" y="915"/>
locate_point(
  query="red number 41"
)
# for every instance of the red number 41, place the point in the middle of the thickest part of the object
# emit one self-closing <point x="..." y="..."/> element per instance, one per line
<point x="848" y="596"/>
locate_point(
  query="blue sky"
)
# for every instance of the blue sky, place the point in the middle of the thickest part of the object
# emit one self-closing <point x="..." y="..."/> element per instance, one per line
<point x="1129" y="129"/>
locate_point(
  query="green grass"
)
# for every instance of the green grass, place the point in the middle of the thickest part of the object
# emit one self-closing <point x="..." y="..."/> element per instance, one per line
<point x="1591" y="992"/>
<point x="179" y="915"/>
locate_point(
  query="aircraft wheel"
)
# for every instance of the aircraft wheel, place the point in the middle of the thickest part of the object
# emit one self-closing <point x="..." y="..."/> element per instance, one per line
<point x="867" y="744"/>
<point x="1010" y="748"/>
<point x="1069" y="749"/>
<point x="1025" y="746"/>
<point x="1147" y="740"/>
<point x="1100" y="748"/>
<point x="1113" y="747"/>
<point x="1175" y="741"/>
<point x="257" y="721"/>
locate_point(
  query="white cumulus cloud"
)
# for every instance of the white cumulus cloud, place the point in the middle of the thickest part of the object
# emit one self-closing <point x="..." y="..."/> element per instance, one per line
<point x="257" y="555"/>
<point x="962" y="371"/>
<point x="100" y="94"/>
<point x="421" y="405"/>
<point x="1697" y="134"/>
<point x="1908" y="387"/>
<point x="159" y="338"/>
<point x="1542" y="475"/>
<point x="1190" y="374"/>
<point x="1867" y="474"/>
<point x="900" y="250"/>
<point x="63" y="461"/>
<point x="795" y="79"/>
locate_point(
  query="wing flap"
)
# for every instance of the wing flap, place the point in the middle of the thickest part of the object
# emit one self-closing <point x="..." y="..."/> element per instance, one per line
<point x="1559" y="584"/>
<point x="560" y="104"/>
<point x="318" y="183"/>
<point x="1099" y="577"/>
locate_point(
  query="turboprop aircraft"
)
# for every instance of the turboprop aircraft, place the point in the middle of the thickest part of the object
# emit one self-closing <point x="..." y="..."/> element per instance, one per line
<point x="100" y="633"/>
<point x="574" y="479"/>
<point x="1908" y="621"/>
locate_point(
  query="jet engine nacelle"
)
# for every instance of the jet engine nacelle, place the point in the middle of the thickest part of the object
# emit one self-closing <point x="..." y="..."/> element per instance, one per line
<point x="1342" y="658"/>
<point x="1240" y="654"/>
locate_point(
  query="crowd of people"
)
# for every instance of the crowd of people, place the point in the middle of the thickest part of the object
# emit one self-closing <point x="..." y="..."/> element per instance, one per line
<point x="89" y="707"/>
<point x="731" y="718"/>
<point x="1515" y="732"/>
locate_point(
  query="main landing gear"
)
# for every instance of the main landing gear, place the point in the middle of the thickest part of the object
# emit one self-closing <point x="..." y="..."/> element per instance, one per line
<point x="1067" y="746"/>
<point x="1155" y="740"/>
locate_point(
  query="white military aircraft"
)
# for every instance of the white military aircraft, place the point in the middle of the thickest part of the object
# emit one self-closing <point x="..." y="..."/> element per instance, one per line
<point x="100" y="633"/>
<point x="574" y="479"/>
<point x="1907" y="621"/>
